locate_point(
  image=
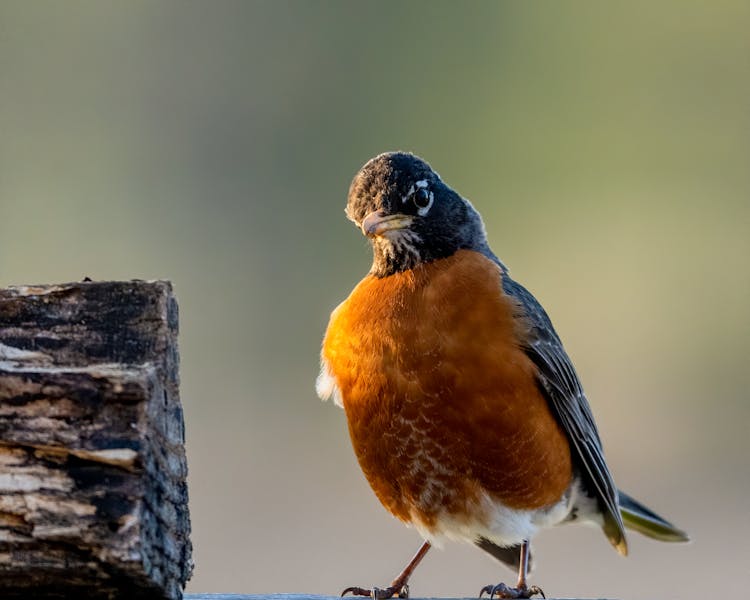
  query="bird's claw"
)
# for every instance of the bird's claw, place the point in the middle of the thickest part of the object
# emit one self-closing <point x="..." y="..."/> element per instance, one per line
<point x="501" y="590"/>
<point x="378" y="593"/>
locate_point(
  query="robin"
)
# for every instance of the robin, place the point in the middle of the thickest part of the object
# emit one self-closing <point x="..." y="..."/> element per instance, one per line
<point x="465" y="413"/>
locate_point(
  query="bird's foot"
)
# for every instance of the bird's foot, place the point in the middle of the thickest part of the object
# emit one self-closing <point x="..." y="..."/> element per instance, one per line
<point x="397" y="590"/>
<point x="501" y="590"/>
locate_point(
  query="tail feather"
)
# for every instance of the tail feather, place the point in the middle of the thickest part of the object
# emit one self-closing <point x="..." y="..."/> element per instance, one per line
<point x="637" y="517"/>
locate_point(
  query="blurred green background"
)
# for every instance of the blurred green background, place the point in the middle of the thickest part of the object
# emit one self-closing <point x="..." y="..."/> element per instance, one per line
<point x="212" y="143"/>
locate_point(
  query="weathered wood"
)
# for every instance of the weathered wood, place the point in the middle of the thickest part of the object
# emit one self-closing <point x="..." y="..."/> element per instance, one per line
<point x="272" y="597"/>
<point x="93" y="493"/>
<point x="296" y="597"/>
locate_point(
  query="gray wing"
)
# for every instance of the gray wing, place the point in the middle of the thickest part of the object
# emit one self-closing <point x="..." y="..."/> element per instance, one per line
<point x="562" y="388"/>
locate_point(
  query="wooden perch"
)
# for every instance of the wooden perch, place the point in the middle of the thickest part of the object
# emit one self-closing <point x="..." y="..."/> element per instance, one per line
<point x="93" y="493"/>
<point x="300" y="597"/>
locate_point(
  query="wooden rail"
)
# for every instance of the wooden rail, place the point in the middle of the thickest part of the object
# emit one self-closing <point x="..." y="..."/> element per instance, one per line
<point x="291" y="597"/>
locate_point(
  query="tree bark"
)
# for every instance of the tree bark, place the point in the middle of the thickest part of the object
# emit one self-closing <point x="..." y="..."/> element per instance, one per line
<point x="93" y="492"/>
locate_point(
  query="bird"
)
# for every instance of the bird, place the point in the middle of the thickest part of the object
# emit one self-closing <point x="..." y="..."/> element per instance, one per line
<point x="464" y="410"/>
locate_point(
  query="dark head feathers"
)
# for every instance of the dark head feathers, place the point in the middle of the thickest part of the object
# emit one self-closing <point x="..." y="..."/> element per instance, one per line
<point x="410" y="215"/>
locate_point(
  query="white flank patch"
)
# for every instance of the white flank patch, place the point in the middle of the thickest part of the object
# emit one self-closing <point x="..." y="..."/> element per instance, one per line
<point x="326" y="386"/>
<point x="498" y="523"/>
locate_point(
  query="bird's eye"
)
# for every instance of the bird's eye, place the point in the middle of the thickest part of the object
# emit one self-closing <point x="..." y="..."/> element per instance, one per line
<point x="422" y="198"/>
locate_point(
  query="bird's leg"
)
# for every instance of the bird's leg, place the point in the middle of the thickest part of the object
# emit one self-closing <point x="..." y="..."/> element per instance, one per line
<point x="399" y="587"/>
<point x="523" y="569"/>
<point x="522" y="590"/>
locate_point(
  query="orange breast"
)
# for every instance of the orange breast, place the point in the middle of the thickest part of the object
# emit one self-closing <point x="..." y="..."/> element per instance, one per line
<point x="441" y="401"/>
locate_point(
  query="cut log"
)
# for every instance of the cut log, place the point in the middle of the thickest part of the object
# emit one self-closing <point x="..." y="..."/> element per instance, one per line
<point x="93" y="492"/>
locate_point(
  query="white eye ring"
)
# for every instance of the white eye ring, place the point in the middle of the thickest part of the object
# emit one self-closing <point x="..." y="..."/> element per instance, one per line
<point x="422" y="199"/>
<point x="419" y="188"/>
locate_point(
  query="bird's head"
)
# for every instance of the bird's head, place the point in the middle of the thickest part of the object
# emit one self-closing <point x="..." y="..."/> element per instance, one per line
<point x="410" y="215"/>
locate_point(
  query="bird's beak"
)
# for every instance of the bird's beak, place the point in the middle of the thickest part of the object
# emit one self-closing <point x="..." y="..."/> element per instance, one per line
<point x="378" y="222"/>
